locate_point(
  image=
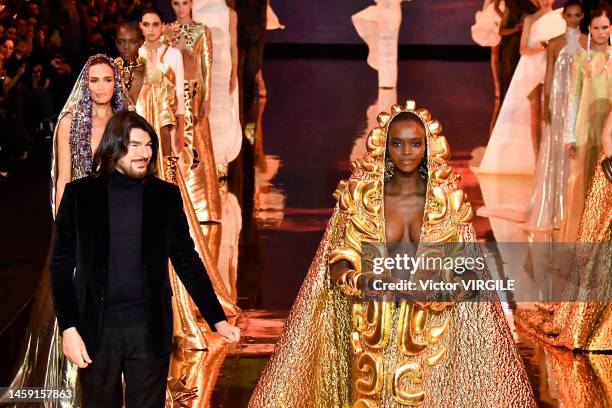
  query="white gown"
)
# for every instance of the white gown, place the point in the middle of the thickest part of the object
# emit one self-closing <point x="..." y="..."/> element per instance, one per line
<point x="225" y="129"/>
<point x="510" y="147"/>
<point x="379" y="26"/>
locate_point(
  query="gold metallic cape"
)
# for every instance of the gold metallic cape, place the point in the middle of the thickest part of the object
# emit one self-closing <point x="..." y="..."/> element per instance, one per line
<point x="195" y="43"/>
<point x="336" y="351"/>
<point x="583" y="325"/>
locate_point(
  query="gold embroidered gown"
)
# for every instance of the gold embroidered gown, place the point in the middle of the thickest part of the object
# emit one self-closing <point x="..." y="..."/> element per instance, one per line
<point x="337" y="351"/>
<point x="195" y="43"/>
<point x="583" y="325"/>
<point x="157" y="104"/>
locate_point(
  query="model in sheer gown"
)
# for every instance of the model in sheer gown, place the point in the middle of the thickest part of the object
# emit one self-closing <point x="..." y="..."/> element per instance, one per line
<point x="546" y="207"/>
<point x="589" y="105"/>
<point x="586" y="322"/>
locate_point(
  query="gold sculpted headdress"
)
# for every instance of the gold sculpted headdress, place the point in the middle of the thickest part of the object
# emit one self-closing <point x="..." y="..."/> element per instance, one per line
<point x="447" y="213"/>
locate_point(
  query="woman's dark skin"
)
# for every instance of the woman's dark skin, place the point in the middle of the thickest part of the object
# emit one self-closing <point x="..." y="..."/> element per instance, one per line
<point x="128" y="42"/>
<point x="404" y="193"/>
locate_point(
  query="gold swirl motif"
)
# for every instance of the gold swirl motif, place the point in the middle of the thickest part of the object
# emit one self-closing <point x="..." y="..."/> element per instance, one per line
<point x="365" y="403"/>
<point x="374" y="323"/>
<point x="370" y="365"/>
<point x="410" y="371"/>
<point x="411" y="324"/>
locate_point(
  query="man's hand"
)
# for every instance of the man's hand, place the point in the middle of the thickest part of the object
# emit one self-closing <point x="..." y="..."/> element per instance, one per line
<point x="74" y="348"/>
<point x="228" y="332"/>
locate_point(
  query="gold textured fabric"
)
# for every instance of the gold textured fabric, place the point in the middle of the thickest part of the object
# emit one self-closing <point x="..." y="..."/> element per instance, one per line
<point x="583" y="325"/>
<point x="581" y="380"/>
<point x="156" y="103"/>
<point x="191" y="333"/>
<point x="194" y="42"/>
<point x="589" y="104"/>
<point x="193" y="374"/>
<point x="336" y="351"/>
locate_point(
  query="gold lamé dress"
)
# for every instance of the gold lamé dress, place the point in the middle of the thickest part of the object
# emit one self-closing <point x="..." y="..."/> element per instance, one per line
<point x="195" y="43"/>
<point x="580" y="379"/>
<point x="336" y="351"/>
<point x="583" y="325"/>
<point x="589" y="105"/>
<point x="157" y="103"/>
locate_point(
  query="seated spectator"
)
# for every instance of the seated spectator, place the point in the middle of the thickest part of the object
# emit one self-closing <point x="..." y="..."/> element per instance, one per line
<point x="61" y="80"/>
<point x="16" y="66"/>
<point x="22" y="27"/>
<point x="11" y="33"/>
<point x="32" y="9"/>
<point x="39" y="102"/>
<point x="4" y="142"/>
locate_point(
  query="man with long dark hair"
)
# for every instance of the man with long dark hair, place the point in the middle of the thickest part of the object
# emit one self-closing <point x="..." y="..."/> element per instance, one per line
<point x="114" y="233"/>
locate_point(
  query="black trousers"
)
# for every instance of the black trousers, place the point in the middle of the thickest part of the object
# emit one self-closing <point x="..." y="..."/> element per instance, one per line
<point x="128" y="351"/>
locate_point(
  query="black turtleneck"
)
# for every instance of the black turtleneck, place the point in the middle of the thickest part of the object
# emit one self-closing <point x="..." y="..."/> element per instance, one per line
<point x="125" y="298"/>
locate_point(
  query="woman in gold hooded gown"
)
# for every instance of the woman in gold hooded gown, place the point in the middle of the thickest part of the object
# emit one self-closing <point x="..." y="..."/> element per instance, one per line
<point x="337" y="350"/>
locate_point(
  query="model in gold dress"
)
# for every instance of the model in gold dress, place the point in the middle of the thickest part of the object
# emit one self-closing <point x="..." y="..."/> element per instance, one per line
<point x="194" y="41"/>
<point x="338" y="350"/>
<point x="156" y="102"/>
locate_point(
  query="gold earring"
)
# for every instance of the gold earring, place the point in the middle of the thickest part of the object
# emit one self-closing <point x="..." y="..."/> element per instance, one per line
<point x="389" y="169"/>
